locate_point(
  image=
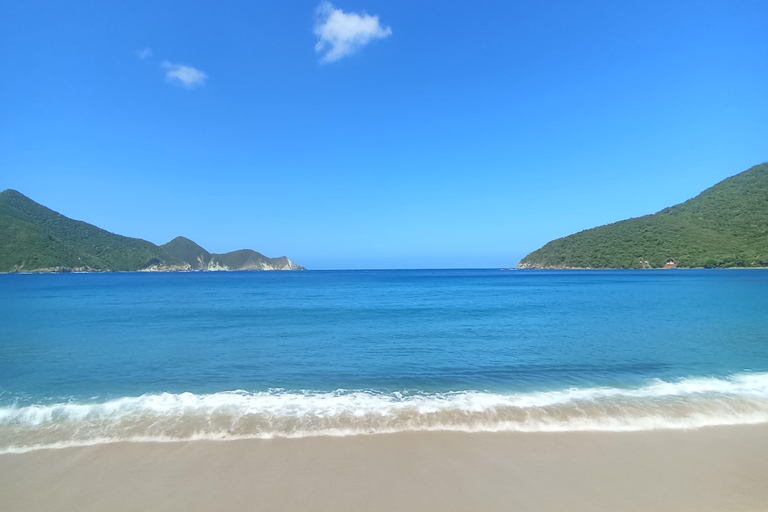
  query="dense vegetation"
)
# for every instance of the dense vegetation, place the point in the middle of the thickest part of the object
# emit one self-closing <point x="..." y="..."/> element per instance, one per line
<point x="188" y="251"/>
<point x="243" y="258"/>
<point x="724" y="226"/>
<point x="34" y="237"/>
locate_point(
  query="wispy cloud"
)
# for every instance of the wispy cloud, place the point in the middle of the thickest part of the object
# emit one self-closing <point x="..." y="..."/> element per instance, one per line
<point x="144" y="53"/>
<point x="340" y="34"/>
<point x="184" y="76"/>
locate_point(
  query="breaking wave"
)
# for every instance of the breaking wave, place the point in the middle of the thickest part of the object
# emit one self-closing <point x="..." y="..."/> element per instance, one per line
<point x="683" y="404"/>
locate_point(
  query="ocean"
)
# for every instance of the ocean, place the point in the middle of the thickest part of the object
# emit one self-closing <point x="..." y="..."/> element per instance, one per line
<point x="98" y="358"/>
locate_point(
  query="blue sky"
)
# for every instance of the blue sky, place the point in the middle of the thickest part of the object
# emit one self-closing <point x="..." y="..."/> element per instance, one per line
<point x="377" y="134"/>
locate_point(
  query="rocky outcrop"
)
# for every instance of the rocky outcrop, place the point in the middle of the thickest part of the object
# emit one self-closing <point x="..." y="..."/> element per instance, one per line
<point x="197" y="258"/>
<point x="282" y="263"/>
<point x="162" y="267"/>
<point x="524" y="265"/>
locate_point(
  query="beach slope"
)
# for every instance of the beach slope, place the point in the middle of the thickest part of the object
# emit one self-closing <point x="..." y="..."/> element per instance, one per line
<point x="709" y="469"/>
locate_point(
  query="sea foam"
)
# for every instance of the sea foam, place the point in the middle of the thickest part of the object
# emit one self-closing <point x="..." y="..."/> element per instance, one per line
<point x="682" y="404"/>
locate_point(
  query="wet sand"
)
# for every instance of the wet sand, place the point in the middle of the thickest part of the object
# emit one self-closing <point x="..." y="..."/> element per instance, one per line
<point x="710" y="469"/>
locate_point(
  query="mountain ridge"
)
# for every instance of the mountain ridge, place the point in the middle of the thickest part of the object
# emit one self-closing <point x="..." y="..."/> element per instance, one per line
<point x="34" y="238"/>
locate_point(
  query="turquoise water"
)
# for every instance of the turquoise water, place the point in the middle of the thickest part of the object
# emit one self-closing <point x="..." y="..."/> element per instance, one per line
<point x="88" y="358"/>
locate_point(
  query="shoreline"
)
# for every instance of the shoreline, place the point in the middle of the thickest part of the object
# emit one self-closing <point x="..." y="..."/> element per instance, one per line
<point x="181" y="271"/>
<point x="711" y="468"/>
<point x="636" y="269"/>
<point x="509" y="269"/>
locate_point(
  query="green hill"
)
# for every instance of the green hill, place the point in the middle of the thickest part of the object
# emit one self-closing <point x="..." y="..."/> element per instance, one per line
<point x="198" y="258"/>
<point x="34" y="238"/>
<point x="188" y="251"/>
<point x="246" y="259"/>
<point x="724" y="226"/>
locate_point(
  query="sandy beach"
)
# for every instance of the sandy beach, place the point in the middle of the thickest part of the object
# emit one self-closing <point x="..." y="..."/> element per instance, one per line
<point x="710" y="469"/>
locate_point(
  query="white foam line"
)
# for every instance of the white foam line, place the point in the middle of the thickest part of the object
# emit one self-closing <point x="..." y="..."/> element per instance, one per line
<point x="646" y="425"/>
<point x="684" y="404"/>
<point x="361" y="403"/>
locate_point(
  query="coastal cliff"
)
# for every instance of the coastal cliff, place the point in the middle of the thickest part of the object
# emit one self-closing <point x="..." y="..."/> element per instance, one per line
<point x="36" y="239"/>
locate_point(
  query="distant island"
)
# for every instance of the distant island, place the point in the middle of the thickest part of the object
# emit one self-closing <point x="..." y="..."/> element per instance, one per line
<point x="36" y="239"/>
<point x="725" y="226"/>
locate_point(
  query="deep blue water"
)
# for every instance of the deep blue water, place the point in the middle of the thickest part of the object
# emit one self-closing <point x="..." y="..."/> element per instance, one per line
<point x="86" y="335"/>
<point x="91" y="338"/>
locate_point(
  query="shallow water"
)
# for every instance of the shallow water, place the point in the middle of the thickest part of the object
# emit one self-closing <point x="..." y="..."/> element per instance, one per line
<point x="88" y="358"/>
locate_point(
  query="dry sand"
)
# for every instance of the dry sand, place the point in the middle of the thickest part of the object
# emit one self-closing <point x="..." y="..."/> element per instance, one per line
<point x="722" y="468"/>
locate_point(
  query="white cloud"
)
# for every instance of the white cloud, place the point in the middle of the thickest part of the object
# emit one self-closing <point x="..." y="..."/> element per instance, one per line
<point x="340" y="34"/>
<point x="184" y="76"/>
<point x="144" y="53"/>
